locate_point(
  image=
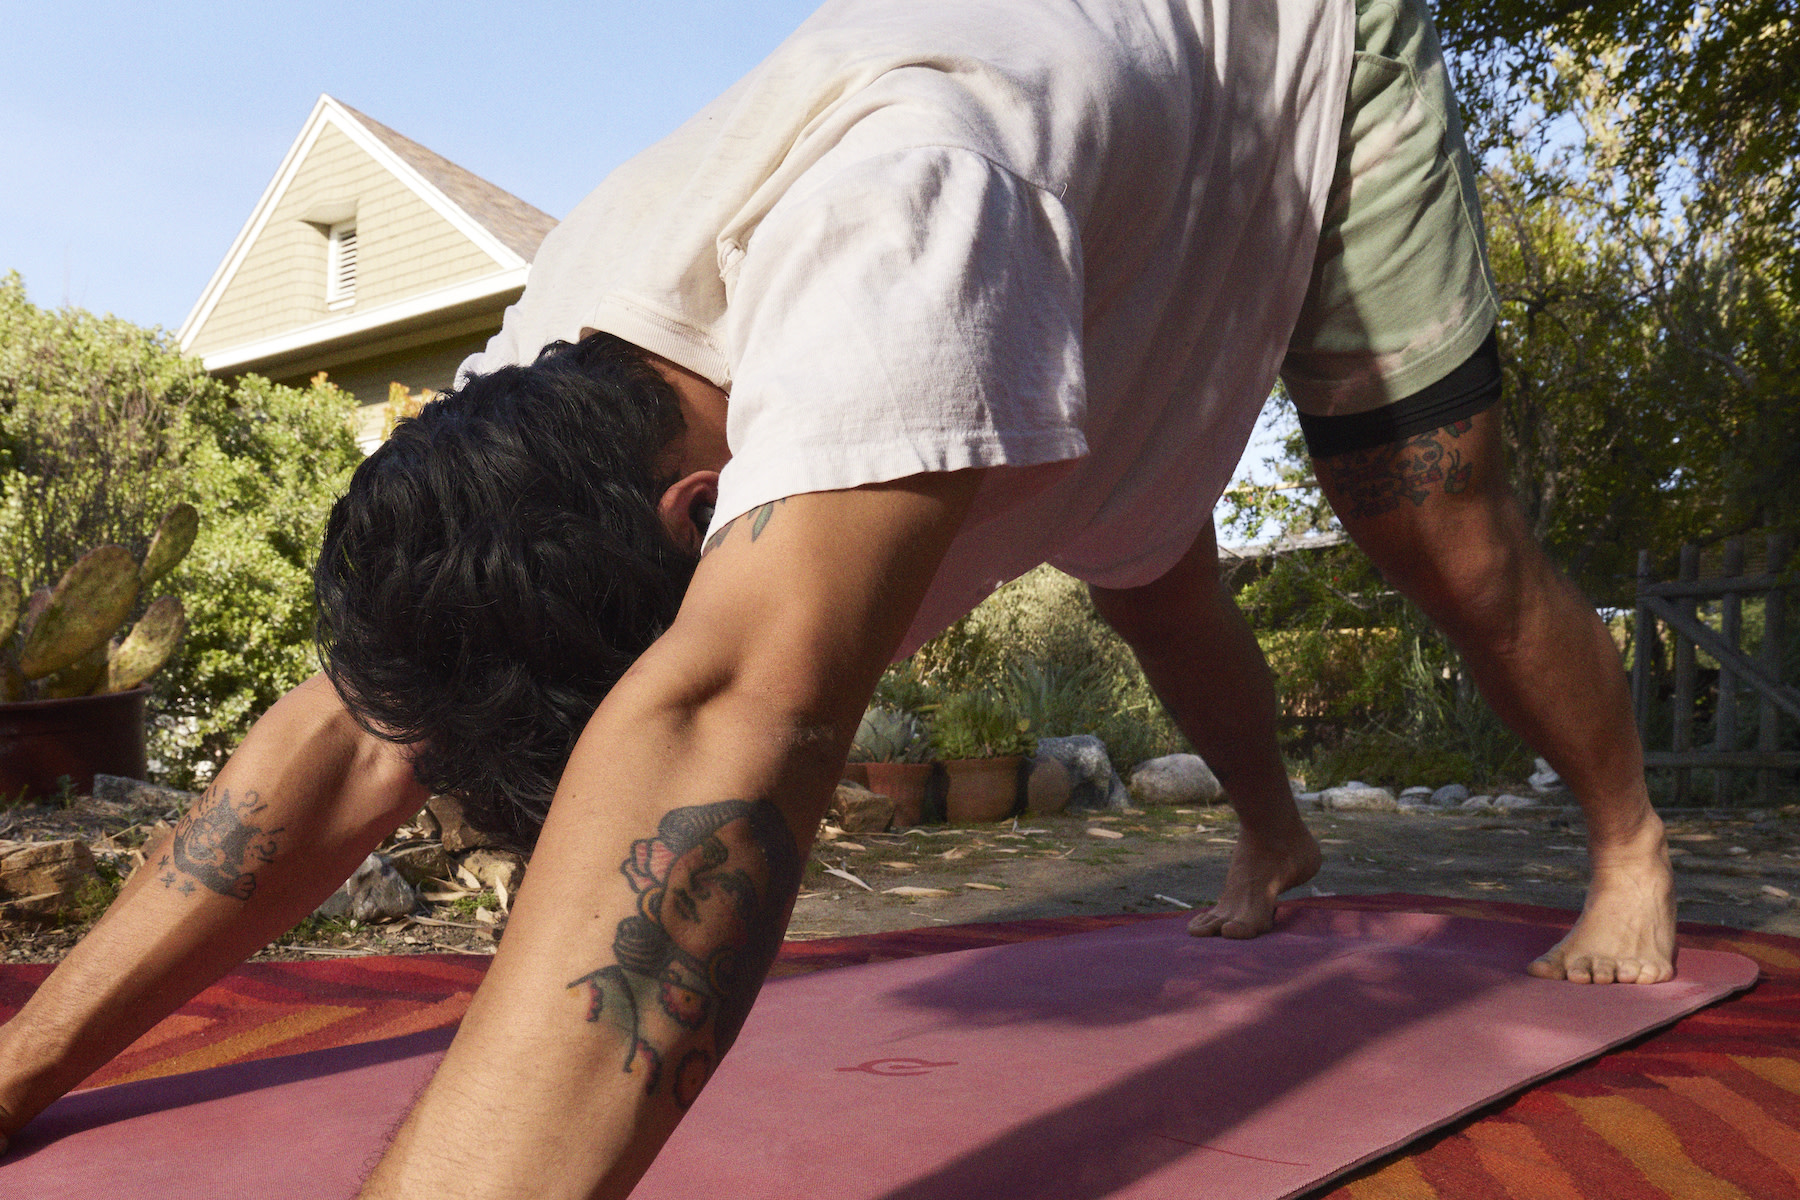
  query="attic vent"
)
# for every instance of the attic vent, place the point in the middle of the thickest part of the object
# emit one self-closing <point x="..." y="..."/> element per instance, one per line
<point x="340" y="267"/>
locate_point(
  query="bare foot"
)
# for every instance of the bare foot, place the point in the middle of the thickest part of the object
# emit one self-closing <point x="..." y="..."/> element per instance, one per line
<point x="1626" y="933"/>
<point x="1261" y="869"/>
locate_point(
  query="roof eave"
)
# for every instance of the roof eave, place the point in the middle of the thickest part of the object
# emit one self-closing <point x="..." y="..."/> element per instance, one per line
<point x="287" y="352"/>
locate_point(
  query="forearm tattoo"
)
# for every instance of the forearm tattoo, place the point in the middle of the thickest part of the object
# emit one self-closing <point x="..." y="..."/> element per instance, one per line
<point x="218" y="845"/>
<point x="758" y="518"/>
<point x="1379" y="480"/>
<point x="712" y="890"/>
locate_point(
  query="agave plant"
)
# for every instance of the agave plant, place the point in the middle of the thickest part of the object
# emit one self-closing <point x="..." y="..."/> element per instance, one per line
<point x="69" y="639"/>
<point x="889" y="735"/>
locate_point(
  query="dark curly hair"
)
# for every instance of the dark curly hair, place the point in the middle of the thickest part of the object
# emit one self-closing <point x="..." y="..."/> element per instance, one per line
<point x="497" y="564"/>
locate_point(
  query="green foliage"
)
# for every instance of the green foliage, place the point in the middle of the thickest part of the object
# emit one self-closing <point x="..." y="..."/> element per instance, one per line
<point x="104" y="427"/>
<point x="889" y="735"/>
<point x="979" y="724"/>
<point x="1039" y="644"/>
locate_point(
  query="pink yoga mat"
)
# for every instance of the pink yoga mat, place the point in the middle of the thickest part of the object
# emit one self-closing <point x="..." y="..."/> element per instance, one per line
<point x="1133" y="1062"/>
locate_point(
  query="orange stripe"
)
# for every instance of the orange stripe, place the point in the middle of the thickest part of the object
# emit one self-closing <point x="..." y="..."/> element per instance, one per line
<point x="447" y="1011"/>
<point x="1782" y="1072"/>
<point x="1777" y="1142"/>
<point x="1652" y="1146"/>
<point x="241" y="1045"/>
<point x="1514" y="1155"/>
<point x="1399" y="1180"/>
<point x="1768" y="956"/>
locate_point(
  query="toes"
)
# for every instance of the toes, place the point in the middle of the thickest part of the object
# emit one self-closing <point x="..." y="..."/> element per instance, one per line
<point x="1546" y="967"/>
<point x="1239" y="929"/>
<point x="1604" y="970"/>
<point x="1206" y="925"/>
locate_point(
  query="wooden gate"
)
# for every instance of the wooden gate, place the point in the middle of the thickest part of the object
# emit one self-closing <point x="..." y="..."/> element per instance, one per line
<point x="1676" y="607"/>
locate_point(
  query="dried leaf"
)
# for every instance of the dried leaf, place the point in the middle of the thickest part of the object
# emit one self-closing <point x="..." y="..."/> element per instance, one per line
<point x="915" y="891"/>
<point x="1104" y="833"/>
<point x="843" y="874"/>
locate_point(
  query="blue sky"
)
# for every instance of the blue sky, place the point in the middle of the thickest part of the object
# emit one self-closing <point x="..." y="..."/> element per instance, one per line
<point x="136" y="138"/>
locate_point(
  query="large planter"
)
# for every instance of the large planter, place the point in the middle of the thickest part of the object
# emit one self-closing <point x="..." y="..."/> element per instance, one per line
<point x="906" y="784"/>
<point x="42" y="741"/>
<point x="982" y="789"/>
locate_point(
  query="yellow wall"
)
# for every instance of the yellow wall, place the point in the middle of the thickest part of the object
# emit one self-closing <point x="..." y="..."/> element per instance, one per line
<point x="404" y="247"/>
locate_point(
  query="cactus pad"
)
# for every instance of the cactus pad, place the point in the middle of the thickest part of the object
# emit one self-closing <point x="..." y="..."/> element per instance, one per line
<point x="76" y="679"/>
<point x="147" y="647"/>
<point x="174" y="538"/>
<point x="11" y="596"/>
<point x="89" y="604"/>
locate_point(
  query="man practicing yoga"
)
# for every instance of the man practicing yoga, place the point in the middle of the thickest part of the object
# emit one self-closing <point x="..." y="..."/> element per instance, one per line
<point x="942" y="290"/>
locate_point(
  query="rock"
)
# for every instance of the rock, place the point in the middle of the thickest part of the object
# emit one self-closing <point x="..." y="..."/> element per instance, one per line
<point x="855" y="809"/>
<point x="1450" y="794"/>
<point x="121" y="789"/>
<point x="1416" y="793"/>
<point x="1048" y="788"/>
<point x="1545" y="778"/>
<point x="375" y="892"/>
<point x="455" y="831"/>
<point x="1096" y="784"/>
<point x="1476" y="802"/>
<point x="1507" y="800"/>
<point x="420" y="862"/>
<point x="1309" y="800"/>
<point x="42" y="878"/>
<point x="1175" y="779"/>
<point x="1359" y="797"/>
<point x="500" y="871"/>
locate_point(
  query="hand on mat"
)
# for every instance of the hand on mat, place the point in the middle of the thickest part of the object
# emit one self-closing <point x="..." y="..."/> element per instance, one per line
<point x="1261" y="869"/>
<point x="1626" y="933"/>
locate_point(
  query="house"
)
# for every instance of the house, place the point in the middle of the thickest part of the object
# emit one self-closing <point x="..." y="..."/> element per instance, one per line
<point x="370" y="258"/>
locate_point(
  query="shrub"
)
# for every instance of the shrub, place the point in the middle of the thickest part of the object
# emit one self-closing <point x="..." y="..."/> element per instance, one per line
<point x="104" y="426"/>
<point x="1039" y="642"/>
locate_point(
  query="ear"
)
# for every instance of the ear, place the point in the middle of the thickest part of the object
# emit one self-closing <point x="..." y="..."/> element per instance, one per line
<point x="686" y="508"/>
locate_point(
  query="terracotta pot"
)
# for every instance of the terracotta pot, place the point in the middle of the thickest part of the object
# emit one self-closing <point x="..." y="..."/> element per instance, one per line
<point x="856" y="773"/>
<point x="906" y="784"/>
<point x="982" y="789"/>
<point x="43" y="740"/>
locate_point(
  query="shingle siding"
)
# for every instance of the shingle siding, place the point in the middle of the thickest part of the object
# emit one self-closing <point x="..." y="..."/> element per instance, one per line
<point x="405" y="247"/>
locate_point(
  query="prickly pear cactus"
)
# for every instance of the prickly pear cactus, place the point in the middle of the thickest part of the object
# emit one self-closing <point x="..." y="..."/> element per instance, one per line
<point x="147" y="647"/>
<point x="90" y="602"/>
<point x="174" y="538"/>
<point x="11" y="596"/>
<point x="65" y="642"/>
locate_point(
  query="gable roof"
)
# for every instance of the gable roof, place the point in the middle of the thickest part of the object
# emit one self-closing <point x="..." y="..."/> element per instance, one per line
<point x="517" y="224"/>
<point x="502" y="231"/>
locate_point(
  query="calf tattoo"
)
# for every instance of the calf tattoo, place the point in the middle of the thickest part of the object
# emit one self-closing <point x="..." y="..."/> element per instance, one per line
<point x="712" y="888"/>
<point x="1379" y="480"/>
<point x="218" y="845"/>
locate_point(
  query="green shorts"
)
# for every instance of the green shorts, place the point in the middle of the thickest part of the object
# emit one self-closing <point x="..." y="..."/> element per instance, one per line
<point x="1401" y="293"/>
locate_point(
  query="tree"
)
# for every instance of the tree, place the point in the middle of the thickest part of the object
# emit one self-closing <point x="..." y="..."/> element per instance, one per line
<point x="103" y="426"/>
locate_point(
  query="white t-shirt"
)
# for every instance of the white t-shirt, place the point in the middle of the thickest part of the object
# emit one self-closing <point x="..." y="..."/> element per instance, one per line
<point x="1067" y="239"/>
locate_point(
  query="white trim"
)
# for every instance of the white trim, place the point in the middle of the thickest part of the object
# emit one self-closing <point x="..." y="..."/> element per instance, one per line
<point x="259" y="217"/>
<point x="328" y="111"/>
<point x="340" y="265"/>
<point x="377" y="149"/>
<point x="235" y="358"/>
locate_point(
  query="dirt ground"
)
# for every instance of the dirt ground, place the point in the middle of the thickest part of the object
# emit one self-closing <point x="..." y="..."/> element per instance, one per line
<point x="1735" y="867"/>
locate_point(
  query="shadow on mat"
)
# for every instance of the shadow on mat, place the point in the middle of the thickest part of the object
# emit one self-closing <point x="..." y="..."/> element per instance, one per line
<point x="1301" y="1005"/>
<point x="80" y="1111"/>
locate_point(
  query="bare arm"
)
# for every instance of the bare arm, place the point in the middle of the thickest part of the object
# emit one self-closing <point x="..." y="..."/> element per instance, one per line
<point x="294" y="810"/>
<point x="667" y="868"/>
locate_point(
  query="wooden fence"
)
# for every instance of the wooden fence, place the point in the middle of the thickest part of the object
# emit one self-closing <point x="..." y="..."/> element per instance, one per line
<point x="1675" y="606"/>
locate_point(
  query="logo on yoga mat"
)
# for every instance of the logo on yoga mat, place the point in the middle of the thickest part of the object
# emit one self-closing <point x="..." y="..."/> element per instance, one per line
<point x="897" y="1066"/>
